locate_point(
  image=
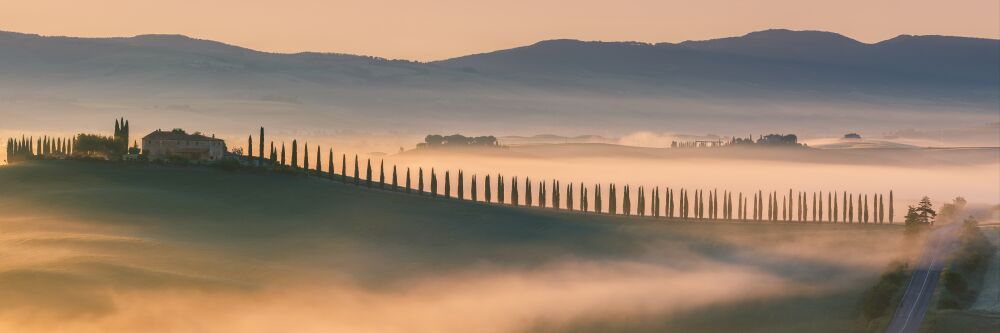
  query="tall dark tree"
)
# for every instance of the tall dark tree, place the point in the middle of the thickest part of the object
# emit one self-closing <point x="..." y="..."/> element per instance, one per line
<point x="283" y="154"/>
<point x="474" y="191"/>
<point x="381" y="174"/>
<point x="556" y="198"/>
<point x="329" y="165"/>
<point x="835" y="209"/>
<point x="295" y="154"/>
<point x="846" y="204"/>
<point x="409" y="185"/>
<point x="514" y="198"/>
<point x="434" y="182"/>
<point x="447" y="184"/>
<point x="527" y="192"/>
<point x="343" y="168"/>
<point x="626" y="202"/>
<point x="305" y="158"/>
<point x="500" y="189"/>
<point x="319" y="164"/>
<point x="640" y="208"/>
<point x="274" y="155"/>
<point x="368" y="173"/>
<point x="250" y="147"/>
<point x="542" y="202"/>
<point x="395" y="183"/>
<point x="569" y="196"/>
<point x="583" y="198"/>
<point x="488" y="193"/>
<point x="850" y="210"/>
<point x="597" y="199"/>
<point x="461" y="185"/>
<point x="357" y="171"/>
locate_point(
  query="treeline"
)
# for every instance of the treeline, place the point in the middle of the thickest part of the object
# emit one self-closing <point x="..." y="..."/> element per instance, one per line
<point x="81" y="145"/>
<point x="29" y="148"/>
<point x="457" y="140"/>
<point x="667" y="202"/>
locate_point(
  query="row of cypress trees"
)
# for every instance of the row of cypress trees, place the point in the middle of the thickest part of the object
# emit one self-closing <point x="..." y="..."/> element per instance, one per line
<point x="27" y="148"/>
<point x="708" y="205"/>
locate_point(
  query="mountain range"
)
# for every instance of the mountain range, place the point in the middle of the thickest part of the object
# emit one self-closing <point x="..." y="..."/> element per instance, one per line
<point x="547" y="86"/>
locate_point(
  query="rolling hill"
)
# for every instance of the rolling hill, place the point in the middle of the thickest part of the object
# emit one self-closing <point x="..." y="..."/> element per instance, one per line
<point x="91" y="243"/>
<point x="767" y="80"/>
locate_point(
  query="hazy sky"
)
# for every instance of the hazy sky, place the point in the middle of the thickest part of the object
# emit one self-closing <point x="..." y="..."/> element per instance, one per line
<point x="436" y="29"/>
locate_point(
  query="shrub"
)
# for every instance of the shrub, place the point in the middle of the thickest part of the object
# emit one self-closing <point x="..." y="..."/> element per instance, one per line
<point x="879" y="299"/>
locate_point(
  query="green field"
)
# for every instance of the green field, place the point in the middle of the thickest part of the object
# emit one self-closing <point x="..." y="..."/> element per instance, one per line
<point x="89" y="246"/>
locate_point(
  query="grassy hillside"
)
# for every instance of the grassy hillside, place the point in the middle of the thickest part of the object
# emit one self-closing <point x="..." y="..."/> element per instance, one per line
<point x="112" y="247"/>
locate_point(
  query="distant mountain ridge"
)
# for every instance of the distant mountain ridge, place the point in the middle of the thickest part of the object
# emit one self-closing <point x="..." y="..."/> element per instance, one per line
<point x="595" y="86"/>
<point x="761" y="57"/>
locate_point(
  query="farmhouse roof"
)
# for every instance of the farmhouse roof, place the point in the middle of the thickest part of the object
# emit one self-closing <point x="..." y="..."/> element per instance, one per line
<point x="178" y="135"/>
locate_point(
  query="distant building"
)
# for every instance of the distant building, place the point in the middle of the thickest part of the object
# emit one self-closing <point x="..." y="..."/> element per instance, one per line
<point x="852" y="136"/>
<point x="178" y="144"/>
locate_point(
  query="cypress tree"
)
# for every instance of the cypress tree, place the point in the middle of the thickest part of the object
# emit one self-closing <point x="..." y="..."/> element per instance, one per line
<point x="475" y="190"/>
<point x="343" y="168"/>
<point x="357" y="171"/>
<point x="556" y="199"/>
<point x="381" y="174"/>
<point x="283" y="154"/>
<point x="420" y="181"/>
<point x="319" y="165"/>
<point x="597" y="198"/>
<point x="527" y="192"/>
<point x="829" y="206"/>
<point x="641" y="207"/>
<point x="409" y="185"/>
<point x="368" y="173"/>
<point x="434" y="182"/>
<point x="295" y="154"/>
<point x="488" y="194"/>
<point x="395" y="184"/>
<point x="819" y="209"/>
<point x="329" y="165"/>
<point x="569" y="196"/>
<point x="834" y="209"/>
<point x="542" y="202"/>
<point x="447" y="184"/>
<point x="250" y="147"/>
<point x="513" y="191"/>
<point x="305" y="158"/>
<point x="584" y="203"/>
<point x="461" y="185"/>
<point x="500" y="192"/>
<point x="770" y="210"/>
<point x="850" y="211"/>
<point x="274" y="155"/>
<point x="846" y="205"/>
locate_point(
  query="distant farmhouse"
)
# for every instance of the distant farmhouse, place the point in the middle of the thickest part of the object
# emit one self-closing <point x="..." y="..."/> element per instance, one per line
<point x="179" y="144"/>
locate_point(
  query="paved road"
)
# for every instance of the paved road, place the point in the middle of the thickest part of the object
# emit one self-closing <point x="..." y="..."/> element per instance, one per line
<point x="916" y="299"/>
